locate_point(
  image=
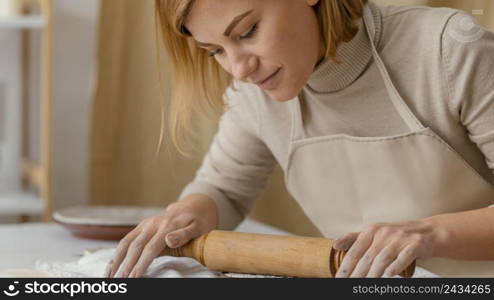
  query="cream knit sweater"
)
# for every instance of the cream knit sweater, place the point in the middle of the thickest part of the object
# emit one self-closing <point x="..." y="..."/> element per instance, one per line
<point x="441" y="62"/>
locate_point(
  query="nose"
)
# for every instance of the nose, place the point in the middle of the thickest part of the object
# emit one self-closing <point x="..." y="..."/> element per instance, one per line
<point x="243" y="65"/>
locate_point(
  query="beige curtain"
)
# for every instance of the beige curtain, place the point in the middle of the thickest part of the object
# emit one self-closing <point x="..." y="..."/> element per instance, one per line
<point x="126" y="114"/>
<point x="126" y="119"/>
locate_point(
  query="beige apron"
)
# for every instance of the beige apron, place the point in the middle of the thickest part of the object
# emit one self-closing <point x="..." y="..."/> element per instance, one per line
<point x="345" y="183"/>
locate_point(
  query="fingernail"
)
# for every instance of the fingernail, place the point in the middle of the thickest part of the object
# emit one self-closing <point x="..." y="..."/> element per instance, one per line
<point x="173" y="240"/>
<point x="341" y="273"/>
<point x="340" y="246"/>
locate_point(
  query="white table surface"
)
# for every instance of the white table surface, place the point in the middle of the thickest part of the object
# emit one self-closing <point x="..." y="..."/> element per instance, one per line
<point x="22" y="244"/>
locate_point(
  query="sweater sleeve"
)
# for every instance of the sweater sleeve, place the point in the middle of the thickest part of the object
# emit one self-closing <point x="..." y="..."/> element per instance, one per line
<point x="236" y="169"/>
<point x="468" y="57"/>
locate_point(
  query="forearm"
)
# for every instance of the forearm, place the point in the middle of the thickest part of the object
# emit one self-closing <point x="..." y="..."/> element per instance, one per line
<point x="467" y="235"/>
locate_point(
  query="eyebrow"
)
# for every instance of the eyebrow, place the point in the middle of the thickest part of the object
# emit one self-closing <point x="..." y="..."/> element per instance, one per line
<point x="229" y="28"/>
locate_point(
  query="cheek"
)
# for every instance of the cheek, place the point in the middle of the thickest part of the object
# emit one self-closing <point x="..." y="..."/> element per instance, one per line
<point x="280" y="45"/>
<point x="222" y="62"/>
<point x="298" y="53"/>
<point x="224" y="65"/>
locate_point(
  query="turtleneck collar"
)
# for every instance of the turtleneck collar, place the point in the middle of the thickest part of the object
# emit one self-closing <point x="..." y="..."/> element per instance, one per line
<point x="354" y="57"/>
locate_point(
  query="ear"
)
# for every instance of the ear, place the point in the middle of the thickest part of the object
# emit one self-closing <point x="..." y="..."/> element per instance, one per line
<point x="312" y="2"/>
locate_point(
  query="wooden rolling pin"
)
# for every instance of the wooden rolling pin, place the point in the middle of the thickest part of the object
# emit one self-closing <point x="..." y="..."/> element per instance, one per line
<point x="293" y="256"/>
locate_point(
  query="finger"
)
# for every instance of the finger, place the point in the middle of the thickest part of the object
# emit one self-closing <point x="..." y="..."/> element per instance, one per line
<point x="166" y="226"/>
<point x="354" y="254"/>
<point x="157" y="243"/>
<point x="156" y="246"/>
<point x="151" y="250"/>
<point x="404" y="259"/>
<point x="344" y="243"/>
<point x="382" y="260"/>
<point x="133" y="253"/>
<point x="107" y="271"/>
<point x="365" y="262"/>
<point x="121" y="251"/>
<point x="181" y="236"/>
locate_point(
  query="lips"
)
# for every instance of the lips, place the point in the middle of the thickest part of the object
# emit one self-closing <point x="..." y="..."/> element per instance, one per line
<point x="269" y="77"/>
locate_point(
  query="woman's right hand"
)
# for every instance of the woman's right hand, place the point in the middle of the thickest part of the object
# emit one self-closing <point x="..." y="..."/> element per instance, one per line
<point x="179" y="223"/>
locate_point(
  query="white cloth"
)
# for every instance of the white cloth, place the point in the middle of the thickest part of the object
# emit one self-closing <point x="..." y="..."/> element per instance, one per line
<point x="94" y="264"/>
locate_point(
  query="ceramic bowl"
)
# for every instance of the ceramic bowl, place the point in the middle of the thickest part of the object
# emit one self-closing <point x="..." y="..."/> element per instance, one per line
<point x="103" y="222"/>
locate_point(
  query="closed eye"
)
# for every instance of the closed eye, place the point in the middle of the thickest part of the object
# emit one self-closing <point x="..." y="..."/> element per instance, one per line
<point x="249" y="34"/>
<point x="213" y="53"/>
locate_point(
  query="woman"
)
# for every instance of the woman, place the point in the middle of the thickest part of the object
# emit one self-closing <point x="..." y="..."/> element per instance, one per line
<point x="381" y="117"/>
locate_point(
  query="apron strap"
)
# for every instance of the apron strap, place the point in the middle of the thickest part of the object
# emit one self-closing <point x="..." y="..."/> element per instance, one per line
<point x="297" y="131"/>
<point x="406" y="114"/>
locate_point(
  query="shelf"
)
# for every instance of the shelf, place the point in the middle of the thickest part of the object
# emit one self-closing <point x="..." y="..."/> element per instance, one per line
<point x="20" y="203"/>
<point x="23" y="22"/>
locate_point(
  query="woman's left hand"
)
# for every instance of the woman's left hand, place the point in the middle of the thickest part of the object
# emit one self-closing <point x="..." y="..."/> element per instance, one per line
<point x="385" y="248"/>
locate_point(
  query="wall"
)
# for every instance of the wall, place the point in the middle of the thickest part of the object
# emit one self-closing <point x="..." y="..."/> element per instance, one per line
<point x="10" y="109"/>
<point x="75" y="34"/>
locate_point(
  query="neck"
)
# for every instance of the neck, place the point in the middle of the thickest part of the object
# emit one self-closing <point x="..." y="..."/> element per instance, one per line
<point x="354" y="56"/>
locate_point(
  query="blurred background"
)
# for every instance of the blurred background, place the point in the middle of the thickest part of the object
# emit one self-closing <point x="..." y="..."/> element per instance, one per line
<point x="80" y="111"/>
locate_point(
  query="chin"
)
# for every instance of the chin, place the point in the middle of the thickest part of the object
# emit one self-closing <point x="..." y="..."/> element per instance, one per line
<point x="283" y="95"/>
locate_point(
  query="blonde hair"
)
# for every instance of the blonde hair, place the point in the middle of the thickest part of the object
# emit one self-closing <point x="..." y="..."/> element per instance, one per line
<point x="199" y="82"/>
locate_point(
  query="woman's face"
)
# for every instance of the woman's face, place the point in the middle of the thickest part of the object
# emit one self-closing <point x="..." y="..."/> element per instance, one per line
<point x="272" y="43"/>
